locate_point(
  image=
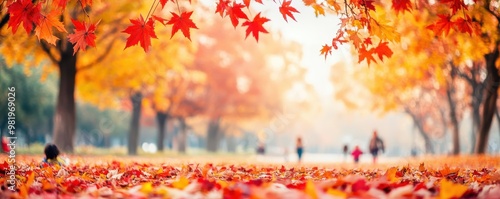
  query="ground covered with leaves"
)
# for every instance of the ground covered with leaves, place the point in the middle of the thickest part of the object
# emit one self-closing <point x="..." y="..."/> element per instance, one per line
<point x="129" y="177"/>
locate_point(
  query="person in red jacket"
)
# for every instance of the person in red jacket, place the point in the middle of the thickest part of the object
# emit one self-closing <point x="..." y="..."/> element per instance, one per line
<point x="5" y="146"/>
<point x="356" y="153"/>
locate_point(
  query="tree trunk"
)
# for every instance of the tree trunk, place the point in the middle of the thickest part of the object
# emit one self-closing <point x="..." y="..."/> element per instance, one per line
<point x="106" y="140"/>
<point x="161" y="118"/>
<point x="65" y="118"/>
<point x="490" y="103"/>
<point x="133" y="136"/>
<point x="213" y="136"/>
<point x="453" y="116"/>
<point x="181" y="137"/>
<point x="428" y="142"/>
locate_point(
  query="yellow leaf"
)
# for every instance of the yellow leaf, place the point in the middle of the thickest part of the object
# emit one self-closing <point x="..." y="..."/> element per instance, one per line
<point x="318" y="9"/>
<point x="334" y="4"/>
<point x="311" y="190"/>
<point x="451" y="190"/>
<point x="391" y="174"/>
<point x="336" y="193"/>
<point x="147" y="188"/>
<point x="181" y="183"/>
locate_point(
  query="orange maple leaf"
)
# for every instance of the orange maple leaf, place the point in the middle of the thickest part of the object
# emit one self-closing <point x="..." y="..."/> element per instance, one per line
<point x="309" y="2"/>
<point x="383" y="50"/>
<point x="182" y="22"/>
<point x="287" y="10"/>
<point x="401" y="5"/>
<point x="140" y="32"/>
<point x="366" y="54"/>
<point x="86" y="2"/>
<point x="255" y="26"/>
<point x="26" y="12"/>
<point x="326" y="49"/>
<point x="84" y="35"/>
<point x="44" y="29"/>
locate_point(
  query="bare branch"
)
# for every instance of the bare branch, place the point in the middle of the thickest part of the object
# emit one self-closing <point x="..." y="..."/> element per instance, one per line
<point x="47" y="50"/>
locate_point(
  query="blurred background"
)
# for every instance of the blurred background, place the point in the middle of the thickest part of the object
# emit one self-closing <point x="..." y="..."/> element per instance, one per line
<point x="222" y="93"/>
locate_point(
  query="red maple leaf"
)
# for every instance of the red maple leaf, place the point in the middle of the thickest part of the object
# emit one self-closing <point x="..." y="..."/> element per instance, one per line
<point x="235" y="13"/>
<point x="368" y="4"/>
<point x="366" y="54"/>
<point x="383" y="50"/>
<point x="259" y="1"/>
<point x="464" y="25"/>
<point x="183" y="23"/>
<point x="401" y="5"/>
<point x="443" y="25"/>
<point x="222" y="5"/>
<point x="326" y="49"/>
<point x="60" y="3"/>
<point x="255" y="26"/>
<point x="26" y="12"/>
<point x="455" y="5"/>
<point x="287" y="10"/>
<point x="246" y="2"/>
<point x="140" y="32"/>
<point x="84" y="35"/>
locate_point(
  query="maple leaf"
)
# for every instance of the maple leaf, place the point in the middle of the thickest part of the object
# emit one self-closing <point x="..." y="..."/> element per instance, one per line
<point x="140" y="32"/>
<point x="465" y="25"/>
<point x="287" y="10"/>
<point x="44" y="29"/>
<point x="318" y="9"/>
<point x="443" y="25"/>
<point x="455" y="5"/>
<point x="246" y="2"/>
<point x="366" y="54"/>
<point x="84" y="35"/>
<point x="163" y="3"/>
<point x="160" y="19"/>
<point x="26" y="12"/>
<point x="182" y="22"/>
<point x="86" y="2"/>
<point x="335" y="5"/>
<point x="401" y="5"/>
<point x="383" y="50"/>
<point x="326" y="49"/>
<point x="451" y="190"/>
<point x="60" y="3"/>
<point x="309" y="2"/>
<point x="368" y="4"/>
<point x="255" y="26"/>
<point x="235" y="13"/>
<point x="259" y="1"/>
<point x="222" y="5"/>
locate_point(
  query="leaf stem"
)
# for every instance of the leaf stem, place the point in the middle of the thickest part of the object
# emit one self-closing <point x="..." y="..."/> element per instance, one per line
<point x="150" y="9"/>
<point x="84" y="11"/>
<point x="178" y="8"/>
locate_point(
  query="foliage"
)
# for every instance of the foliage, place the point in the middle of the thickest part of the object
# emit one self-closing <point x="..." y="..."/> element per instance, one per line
<point x="466" y="177"/>
<point x="363" y="22"/>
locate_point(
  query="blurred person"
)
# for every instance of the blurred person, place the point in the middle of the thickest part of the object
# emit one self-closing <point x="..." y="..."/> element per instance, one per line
<point x="5" y="145"/>
<point x="285" y="153"/>
<point x="261" y="150"/>
<point x="376" y="145"/>
<point x="300" y="148"/>
<point x="52" y="156"/>
<point x="346" y="151"/>
<point x="356" y="153"/>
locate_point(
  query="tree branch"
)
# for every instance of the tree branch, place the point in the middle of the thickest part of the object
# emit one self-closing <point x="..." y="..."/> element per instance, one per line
<point x="4" y="21"/>
<point x="46" y="49"/>
<point x="100" y="58"/>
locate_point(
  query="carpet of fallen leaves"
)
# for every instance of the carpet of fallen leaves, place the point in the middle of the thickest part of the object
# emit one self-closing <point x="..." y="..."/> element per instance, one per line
<point x="129" y="177"/>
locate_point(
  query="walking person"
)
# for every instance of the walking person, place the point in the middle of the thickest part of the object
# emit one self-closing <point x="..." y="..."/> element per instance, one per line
<point x="376" y="145"/>
<point x="356" y="154"/>
<point x="346" y="151"/>
<point x="300" y="148"/>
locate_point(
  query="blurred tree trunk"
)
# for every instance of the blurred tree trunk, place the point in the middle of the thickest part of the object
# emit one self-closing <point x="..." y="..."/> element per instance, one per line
<point x="65" y="118"/>
<point x="450" y="91"/>
<point x="106" y="140"/>
<point x="213" y="137"/>
<point x="161" y="118"/>
<point x="490" y="103"/>
<point x="181" y="137"/>
<point x="428" y="142"/>
<point x="133" y="138"/>
<point x="231" y="143"/>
